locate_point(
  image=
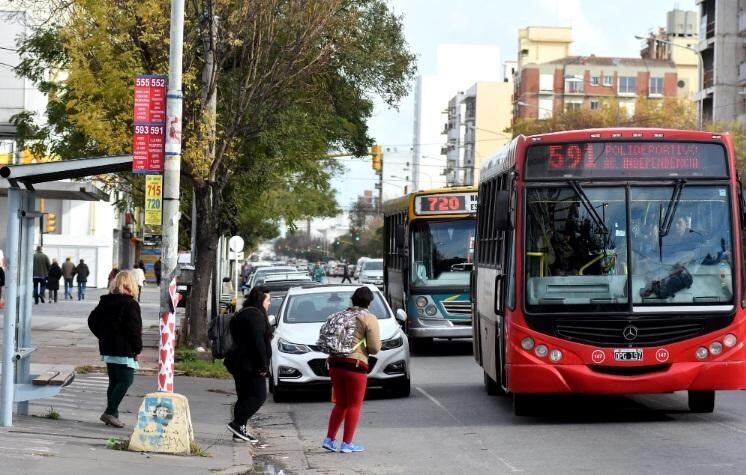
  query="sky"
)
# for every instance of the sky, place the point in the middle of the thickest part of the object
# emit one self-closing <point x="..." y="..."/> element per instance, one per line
<point x="603" y="28"/>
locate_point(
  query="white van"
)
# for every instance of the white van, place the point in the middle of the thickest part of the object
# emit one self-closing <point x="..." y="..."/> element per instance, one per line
<point x="359" y="265"/>
<point x="372" y="272"/>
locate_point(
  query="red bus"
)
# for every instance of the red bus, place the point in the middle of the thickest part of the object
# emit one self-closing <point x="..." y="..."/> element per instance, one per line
<point x="608" y="261"/>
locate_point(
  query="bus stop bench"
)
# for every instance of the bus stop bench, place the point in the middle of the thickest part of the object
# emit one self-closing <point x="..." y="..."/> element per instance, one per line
<point x="54" y="378"/>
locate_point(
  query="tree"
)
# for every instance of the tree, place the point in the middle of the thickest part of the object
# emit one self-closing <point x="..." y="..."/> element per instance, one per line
<point x="669" y="112"/>
<point x="293" y="80"/>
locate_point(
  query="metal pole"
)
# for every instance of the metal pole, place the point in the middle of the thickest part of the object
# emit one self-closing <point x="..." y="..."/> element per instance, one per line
<point x="172" y="163"/>
<point x="11" y="304"/>
<point x="28" y="226"/>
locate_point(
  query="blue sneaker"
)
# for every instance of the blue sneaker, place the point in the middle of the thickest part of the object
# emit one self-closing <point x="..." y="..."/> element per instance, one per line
<point x="349" y="448"/>
<point x="329" y="444"/>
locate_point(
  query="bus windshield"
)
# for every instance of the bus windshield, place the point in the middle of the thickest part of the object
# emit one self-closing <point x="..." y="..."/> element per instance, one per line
<point x="442" y="252"/>
<point x="577" y="247"/>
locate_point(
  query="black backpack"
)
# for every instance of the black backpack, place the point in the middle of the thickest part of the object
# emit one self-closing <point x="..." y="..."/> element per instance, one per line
<point x="219" y="333"/>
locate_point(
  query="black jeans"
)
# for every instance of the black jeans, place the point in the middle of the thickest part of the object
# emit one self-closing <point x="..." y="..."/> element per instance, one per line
<point x="251" y="390"/>
<point x="39" y="287"/>
<point x="120" y="379"/>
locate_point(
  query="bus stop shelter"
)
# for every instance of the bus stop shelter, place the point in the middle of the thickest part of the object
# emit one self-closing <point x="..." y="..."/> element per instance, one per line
<point x="23" y="185"/>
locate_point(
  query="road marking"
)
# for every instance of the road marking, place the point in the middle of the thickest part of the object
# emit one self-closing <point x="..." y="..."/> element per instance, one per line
<point x="507" y="464"/>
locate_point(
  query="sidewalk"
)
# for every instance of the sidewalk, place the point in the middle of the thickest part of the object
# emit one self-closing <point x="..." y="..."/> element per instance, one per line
<point x="76" y="442"/>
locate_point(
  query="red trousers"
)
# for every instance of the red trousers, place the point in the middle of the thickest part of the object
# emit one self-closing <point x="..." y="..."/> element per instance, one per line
<point x="349" y="392"/>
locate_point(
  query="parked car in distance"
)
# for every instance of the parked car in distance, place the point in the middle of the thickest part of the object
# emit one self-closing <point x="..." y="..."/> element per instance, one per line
<point x="261" y="272"/>
<point x="359" y="264"/>
<point x="298" y="364"/>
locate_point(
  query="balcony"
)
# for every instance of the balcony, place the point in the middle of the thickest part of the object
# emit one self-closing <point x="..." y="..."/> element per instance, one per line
<point x="708" y="78"/>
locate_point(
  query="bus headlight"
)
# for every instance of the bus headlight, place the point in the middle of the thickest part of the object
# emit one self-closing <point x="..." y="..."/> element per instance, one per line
<point x="541" y="351"/>
<point x="555" y="356"/>
<point x="716" y="347"/>
<point x="730" y="340"/>
<point x="527" y="343"/>
<point x="431" y="311"/>
<point x="701" y="353"/>
<point x="420" y="301"/>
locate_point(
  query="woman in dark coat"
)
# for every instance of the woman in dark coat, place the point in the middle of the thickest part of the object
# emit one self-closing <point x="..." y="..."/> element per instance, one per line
<point x="53" y="280"/>
<point x="248" y="360"/>
<point x="117" y="324"/>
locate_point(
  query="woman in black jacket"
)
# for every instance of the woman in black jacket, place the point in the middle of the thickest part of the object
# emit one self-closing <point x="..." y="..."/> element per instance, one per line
<point x="117" y="324"/>
<point x="248" y="360"/>
<point x="53" y="280"/>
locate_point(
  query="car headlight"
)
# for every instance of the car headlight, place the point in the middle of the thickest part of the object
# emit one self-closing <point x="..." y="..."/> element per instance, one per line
<point x="392" y="343"/>
<point x="292" y="348"/>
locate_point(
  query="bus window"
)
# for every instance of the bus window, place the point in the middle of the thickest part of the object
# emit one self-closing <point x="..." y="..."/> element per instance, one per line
<point x="442" y="252"/>
<point x="691" y="260"/>
<point x="576" y="247"/>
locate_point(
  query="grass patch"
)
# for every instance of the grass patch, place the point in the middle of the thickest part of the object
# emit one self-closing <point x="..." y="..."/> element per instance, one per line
<point x="52" y="414"/>
<point x="188" y="363"/>
<point x="197" y="450"/>
<point x="86" y="369"/>
<point x="115" y="443"/>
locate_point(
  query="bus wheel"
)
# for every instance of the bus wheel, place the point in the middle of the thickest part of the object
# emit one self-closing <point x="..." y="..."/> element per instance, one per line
<point x="701" y="401"/>
<point x="492" y="387"/>
<point x="524" y="404"/>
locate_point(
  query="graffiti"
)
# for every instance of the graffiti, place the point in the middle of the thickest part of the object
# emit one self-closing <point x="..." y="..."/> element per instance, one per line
<point x="163" y="424"/>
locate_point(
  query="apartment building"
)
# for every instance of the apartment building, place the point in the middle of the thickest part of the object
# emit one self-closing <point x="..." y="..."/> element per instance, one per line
<point x="722" y="46"/>
<point x="582" y="82"/>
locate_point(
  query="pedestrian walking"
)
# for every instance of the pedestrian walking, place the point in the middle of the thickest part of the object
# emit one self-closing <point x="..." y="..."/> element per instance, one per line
<point x="248" y="360"/>
<point x="68" y="270"/>
<point x="346" y="273"/>
<point x="349" y="375"/>
<point x="117" y="323"/>
<point x="81" y="277"/>
<point x="318" y="273"/>
<point x="139" y="272"/>
<point x="40" y="272"/>
<point x="53" y="280"/>
<point x="157" y="272"/>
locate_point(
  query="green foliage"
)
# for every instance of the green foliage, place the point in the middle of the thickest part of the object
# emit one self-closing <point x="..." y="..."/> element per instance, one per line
<point x="187" y="361"/>
<point x="52" y="414"/>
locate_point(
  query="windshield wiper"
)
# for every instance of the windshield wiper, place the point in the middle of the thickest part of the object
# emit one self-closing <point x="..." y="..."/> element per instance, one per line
<point x="673" y="203"/>
<point x="588" y="206"/>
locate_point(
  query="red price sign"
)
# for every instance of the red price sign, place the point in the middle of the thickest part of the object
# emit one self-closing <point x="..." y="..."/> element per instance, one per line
<point x="148" y="138"/>
<point x="446" y="203"/>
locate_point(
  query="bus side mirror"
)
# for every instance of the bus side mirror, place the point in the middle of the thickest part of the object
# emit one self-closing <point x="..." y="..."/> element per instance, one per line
<point x="503" y="211"/>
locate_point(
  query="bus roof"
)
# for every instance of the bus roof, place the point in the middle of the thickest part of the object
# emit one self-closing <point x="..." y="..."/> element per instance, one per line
<point x="396" y="205"/>
<point x="503" y="159"/>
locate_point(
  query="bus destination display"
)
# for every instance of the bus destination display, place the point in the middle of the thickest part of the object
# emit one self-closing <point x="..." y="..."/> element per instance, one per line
<point x="447" y="203"/>
<point x="626" y="159"/>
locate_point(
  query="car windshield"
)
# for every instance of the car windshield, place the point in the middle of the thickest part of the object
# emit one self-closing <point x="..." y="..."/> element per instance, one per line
<point x="316" y="307"/>
<point x="577" y="253"/>
<point x="373" y="265"/>
<point x="442" y="252"/>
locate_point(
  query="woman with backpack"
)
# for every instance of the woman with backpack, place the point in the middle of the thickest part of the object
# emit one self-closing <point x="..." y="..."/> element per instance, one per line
<point x="349" y="373"/>
<point x="248" y="360"/>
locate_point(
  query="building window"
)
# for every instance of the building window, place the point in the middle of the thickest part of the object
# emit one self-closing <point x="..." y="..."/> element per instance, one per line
<point x="607" y="80"/>
<point x="595" y="80"/>
<point x="545" y="108"/>
<point x="574" y="86"/>
<point x="627" y="85"/>
<point x="594" y="104"/>
<point x="572" y="106"/>
<point x="656" y="86"/>
<point x="546" y="82"/>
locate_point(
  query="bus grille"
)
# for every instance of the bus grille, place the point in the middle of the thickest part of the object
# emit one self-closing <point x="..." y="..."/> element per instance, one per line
<point x="458" y="307"/>
<point x="611" y="332"/>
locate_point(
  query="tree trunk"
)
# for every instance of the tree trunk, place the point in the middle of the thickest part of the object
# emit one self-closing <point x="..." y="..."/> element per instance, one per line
<point x="209" y="209"/>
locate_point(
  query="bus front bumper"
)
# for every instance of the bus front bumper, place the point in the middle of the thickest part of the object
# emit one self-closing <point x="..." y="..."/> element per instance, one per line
<point x="438" y="328"/>
<point x="541" y="378"/>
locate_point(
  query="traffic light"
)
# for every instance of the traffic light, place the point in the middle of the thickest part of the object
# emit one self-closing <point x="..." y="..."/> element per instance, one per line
<point x="51" y="222"/>
<point x="375" y="152"/>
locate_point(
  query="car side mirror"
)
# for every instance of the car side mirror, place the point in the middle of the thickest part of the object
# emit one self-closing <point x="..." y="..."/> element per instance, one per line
<point x="401" y="315"/>
<point x="272" y="320"/>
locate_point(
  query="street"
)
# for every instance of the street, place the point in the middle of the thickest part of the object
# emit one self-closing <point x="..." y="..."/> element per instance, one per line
<point x="450" y="425"/>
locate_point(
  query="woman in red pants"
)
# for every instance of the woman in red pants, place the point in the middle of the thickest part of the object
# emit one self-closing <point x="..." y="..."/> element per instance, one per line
<point x="349" y="374"/>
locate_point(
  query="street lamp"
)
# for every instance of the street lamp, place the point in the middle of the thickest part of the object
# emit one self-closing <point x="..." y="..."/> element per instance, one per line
<point x="701" y="70"/>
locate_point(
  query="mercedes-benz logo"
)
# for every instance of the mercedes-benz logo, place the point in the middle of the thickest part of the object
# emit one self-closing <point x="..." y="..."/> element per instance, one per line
<point x="630" y="332"/>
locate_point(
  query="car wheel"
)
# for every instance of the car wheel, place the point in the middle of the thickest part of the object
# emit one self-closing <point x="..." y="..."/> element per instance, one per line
<point x="702" y="401"/>
<point x="271" y="385"/>
<point x="279" y="394"/>
<point x="401" y="388"/>
<point x="492" y="386"/>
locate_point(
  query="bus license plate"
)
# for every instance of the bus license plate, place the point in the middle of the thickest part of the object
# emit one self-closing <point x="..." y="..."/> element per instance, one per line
<point x="631" y="354"/>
